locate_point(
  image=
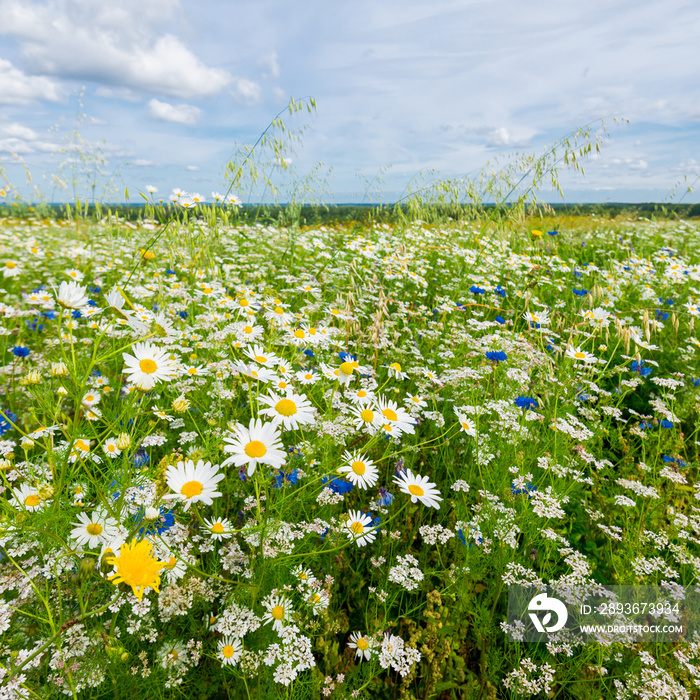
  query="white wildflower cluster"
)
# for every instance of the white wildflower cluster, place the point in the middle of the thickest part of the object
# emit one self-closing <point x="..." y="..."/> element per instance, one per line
<point x="236" y="621"/>
<point x="645" y="567"/>
<point x="395" y="654"/>
<point x="406" y="573"/>
<point x="547" y="504"/>
<point x="292" y="656"/>
<point x="530" y="679"/>
<point x="435" y="534"/>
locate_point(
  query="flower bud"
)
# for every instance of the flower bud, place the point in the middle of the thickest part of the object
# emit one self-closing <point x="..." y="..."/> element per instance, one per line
<point x="59" y="369"/>
<point x="124" y="441"/>
<point x="181" y="404"/>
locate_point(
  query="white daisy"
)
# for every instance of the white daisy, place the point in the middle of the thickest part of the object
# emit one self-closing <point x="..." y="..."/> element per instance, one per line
<point x="395" y="415"/>
<point x="419" y="488"/>
<point x="230" y="650"/>
<point x="367" y="417"/>
<point x="219" y="529"/>
<point x="94" y="530"/>
<point x="193" y="482"/>
<point x="71" y="295"/>
<point x="362" y="645"/>
<point x="277" y="611"/>
<point x="148" y="366"/>
<point x="259" y="443"/>
<point x="358" y="527"/>
<point x="359" y="470"/>
<point x="292" y="411"/>
<point x="26" y="497"/>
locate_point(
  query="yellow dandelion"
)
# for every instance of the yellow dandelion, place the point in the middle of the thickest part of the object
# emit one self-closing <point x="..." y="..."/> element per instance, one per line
<point x="136" y="567"/>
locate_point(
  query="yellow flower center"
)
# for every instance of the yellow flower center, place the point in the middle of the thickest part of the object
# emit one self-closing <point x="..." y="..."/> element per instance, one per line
<point x="389" y="414"/>
<point x="367" y="415"/>
<point x="244" y="302"/>
<point x="279" y="310"/>
<point x="580" y="355"/>
<point x="359" y="468"/>
<point x="361" y="394"/>
<point x="396" y="366"/>
<point x="32" y="501"/>
<point x="346" y="368"/>
<point x="228" y="651"/>
<point x="11" y="265"/>
<point x="415" y="490"/>
<point x="111" y="448"/>
<point x="94" y="529"/>
<point x="192" y="370"/>
<point x="81" y="445"/>
<point x="260" y="358"/>
<point x="192" y="489"/>
<point x="148" y="366"/>
<point x="299" y="333"/>
<point x="218" y="528"/>
<point x="357" y="528"/>
<point x="286" y="407"/>
<point x="248" y="329"/>
<point x="465" y="425"/>
<point x="362" y="644"/>
<point x="277" y="612"/>
<point x="207" y="290"/>
<point x="255" y="449"/>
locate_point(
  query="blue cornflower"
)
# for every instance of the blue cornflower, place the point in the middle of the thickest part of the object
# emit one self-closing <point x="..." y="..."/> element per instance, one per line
<point x="528" y="489"/>
<point x="552" y="233"/>
<point x="526" y="403"/>
<point x="347" y="357"/>
<point x="20" y="351"/>
<point x="5" y="418"/>
<point x="35" y="325"/>
<point x="94" y="290"/>
<point x="645" y="425"/>
<point x="182" y="314"/>
<point x="338" y="485"/>
<point x="577" y="273"/>
<point x="474" y="289"/>
<point x="666" y="424"/>
<point x="580" y="292"/>
<point x="76" y="314"/>
<point x="385" y="498"/>
<point x="500" y="319"/>
<point x="281" y="478"/>
<point x="170" y="272"/>
<point x="496" y="356"/>
<point x="140" y="458"/>
<point x="461" y="536"/>
<point x="309" y="352"/>
<point x="51" y="314"/>
<point x="640" y="368"/>
<point x="696" y="382"/>
<point x="164" y="521"/>
<point x="92" y="302"/>
<point x="662" y="315"/>
<point x="242" y="473"/>
<point x="500" y="291"/>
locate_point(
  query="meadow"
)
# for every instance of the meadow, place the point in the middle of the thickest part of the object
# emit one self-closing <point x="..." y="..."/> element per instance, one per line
<point x="246" y="456"/>
<point x="246" y="460"/>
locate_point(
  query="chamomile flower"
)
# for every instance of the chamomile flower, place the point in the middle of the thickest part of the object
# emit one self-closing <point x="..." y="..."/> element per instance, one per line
<point x="318" y="600"/>
<point x="193" y="482"/>
<point x="395" y="371"/>
<point x="419" y="488"/>
<point x="366" y="417"/>
<point x="359" y="396"/>
<point x="111" y="449"/>
<point x="303" y="575"/>
<point x="395" y="415"/>
<point x="219" y="529"/>
<point x="581" y="355"/>
<point x="71" y="295"/>
<point x="307" y="376"/>
<point x="538" y="318"/>
<point x="359" y="470"/>
<point x="258" y="354"/>
<point x="230" y="650"/>
<point x="358" y="527"/>
<point x="26" y="497"/>
<point x="292" y="410"/>
<point x="259" y="443"/>
<point x="148" y="366"/>
<point x="466" y="424"/>
<point x="277" y="611"/>
<point x="95" y="529"/>
<point x="362" y="646"/>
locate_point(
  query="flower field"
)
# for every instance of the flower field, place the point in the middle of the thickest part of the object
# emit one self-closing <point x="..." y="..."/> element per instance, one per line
<point x="249" y="461"/>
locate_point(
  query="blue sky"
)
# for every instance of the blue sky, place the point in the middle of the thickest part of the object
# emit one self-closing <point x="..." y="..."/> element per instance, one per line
<point x="169" y="89"/>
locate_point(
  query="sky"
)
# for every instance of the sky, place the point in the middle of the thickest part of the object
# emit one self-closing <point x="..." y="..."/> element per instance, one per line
<point x="97" y="97"/>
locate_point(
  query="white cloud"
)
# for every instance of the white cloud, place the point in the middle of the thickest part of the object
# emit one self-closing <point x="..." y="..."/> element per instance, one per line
<point x="193" y="168"/>
<point x="270" y="63"/>
<point x="246" y="91"/>
<point x="20" y="140"/>
<point x="118" y="45"/>
<point x="180" y="114"/>
<point x="18" y="88"/>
